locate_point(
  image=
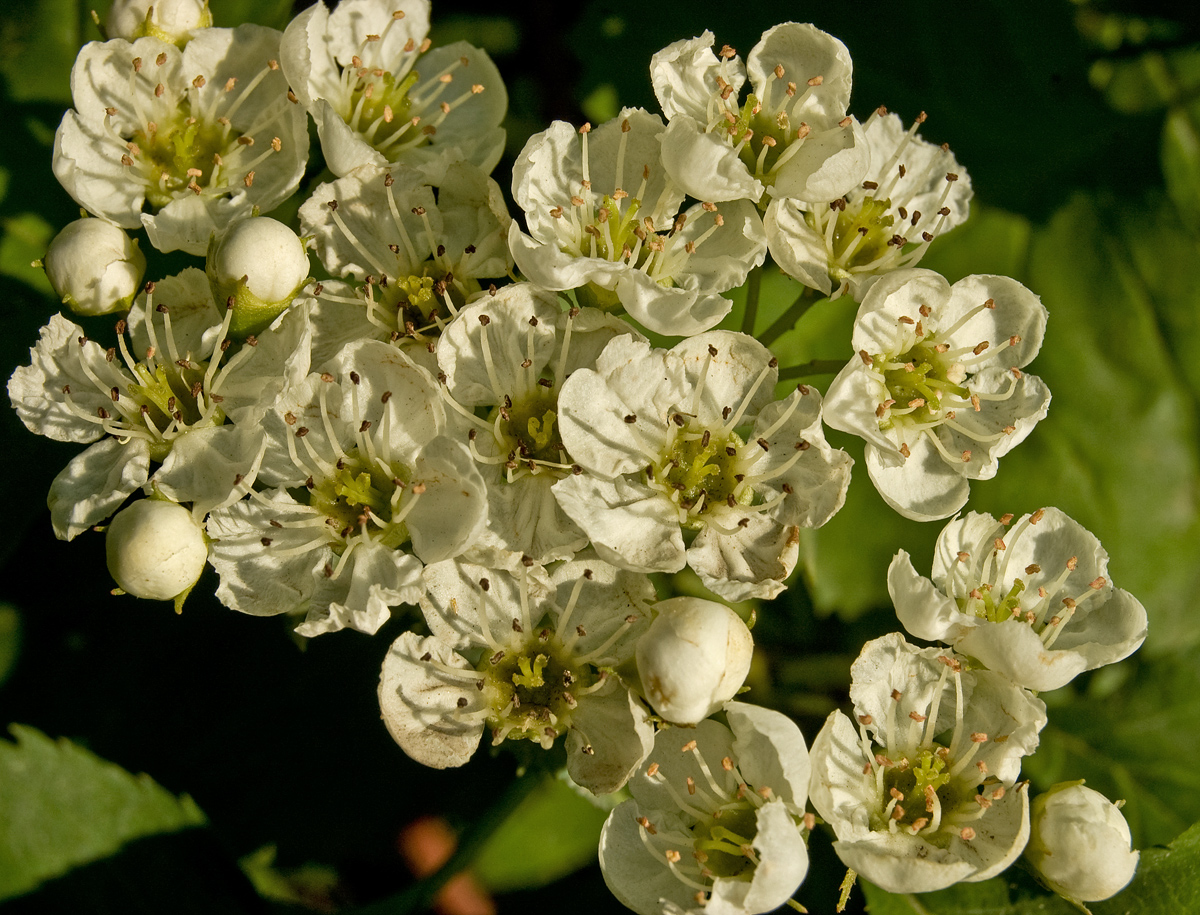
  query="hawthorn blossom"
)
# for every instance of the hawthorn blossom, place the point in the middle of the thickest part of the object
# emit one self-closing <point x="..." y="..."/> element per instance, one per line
<point x="690" y="440"/>
<point x="791" y="137"/>
<point x="1032" y="601"/>
<point x="167" y="20"/>
<point x="1080" y="845"/>
<point x="181" y="142"/>
<point x="379" y="93"/>
<point x="190" y="405"/>
<point x="715" y="820"/>
<point x="693" y="659"/>
<point x="411" y="259"/>
<point x="367" y="489"/>
<point x="912" y="192"/>
<point x="936" y="389"/>
<point x="508" y="354"/>
<point x="156" y="550"/>
<point x="528" y="658"/>
<point x="94" y="267"/>
<point x="923" y="794"/>
<point x="604" y="219"/>
<point x="256" y="266"/>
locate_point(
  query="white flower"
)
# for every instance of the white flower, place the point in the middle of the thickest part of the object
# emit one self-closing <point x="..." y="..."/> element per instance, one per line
<point x="603" y="215"/>
<point x="414" y="258"/>
<point x="1033" y="603"/>
<point x="256" y="266"/>
<point x="173" y="407"/>
<point x="912" y="192"/>
<point x="196" y="137"/>
<point x="156" y="550"/>
<point x="508" y="354"/>
<point x="715" y="818"/>
<point x="1080" y="844"/>
<point x="923" y="794"/>
<point x="689" y="439"/>
<point x="379" y="94"/>
<point x="166" y="20"/>
<point x="789" y="138"/>
<point x="936" y="388"/>
<point x="372" y="473"/>
<point x="528" y="658"/>
<point x="94" y="267"/>
<point x="693" y="658"/>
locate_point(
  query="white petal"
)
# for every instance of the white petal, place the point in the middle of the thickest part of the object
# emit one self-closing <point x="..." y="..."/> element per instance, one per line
<point x="796" y="246"/>
<point x="212" y="468"/>
<point x="91" y="487"/>
<point x="923" y="610"/>
<point x="754" y="562"/>
<point x="420" y="703"/>
<point x="924" y="487"/>
<point x="704" y="165"/>
<point x="630" y="525"/>
<point x="804" y="52"/>
<point x="770" y="751"/>
<point x="684" y="76"/>
<point x="617" y="729"/>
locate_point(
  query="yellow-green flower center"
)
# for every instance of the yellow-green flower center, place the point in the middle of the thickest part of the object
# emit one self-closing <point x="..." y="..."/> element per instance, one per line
<point x="363" y="495"/>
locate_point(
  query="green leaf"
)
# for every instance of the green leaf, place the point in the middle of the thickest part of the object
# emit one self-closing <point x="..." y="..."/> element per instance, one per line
<point x="62" y="806"/>
<point x="552" y="833"/>
<point x="1118" y="451"/>
<point x="1132" y="734"/>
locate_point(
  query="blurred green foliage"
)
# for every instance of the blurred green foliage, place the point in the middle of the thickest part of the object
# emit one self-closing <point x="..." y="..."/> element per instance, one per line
<point x="61" y="806"/>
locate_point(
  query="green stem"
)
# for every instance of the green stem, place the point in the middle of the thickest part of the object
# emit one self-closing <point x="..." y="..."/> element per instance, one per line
<point x="815" y="367"/>
<point x="753" y="288"/>
<point x="420" y="896"/>
<point x="788" y="319"/>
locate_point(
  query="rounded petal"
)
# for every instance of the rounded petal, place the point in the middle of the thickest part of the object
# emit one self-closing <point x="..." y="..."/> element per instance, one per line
<point x="704" y="165"/>
<point x="923" y="487"/>
<point x="94" y="483"/>
<point x="420" y="701"/>
<point x="922" y="609"/>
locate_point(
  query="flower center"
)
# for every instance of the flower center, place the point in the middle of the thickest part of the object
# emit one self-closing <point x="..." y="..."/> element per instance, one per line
<point x="703" y="468"/>
<point x="722" y="841"/>
<point x="528" y="427"/>
<point x="1035" y="598"/>
<point x="363" y="495"/>
<point x="181" y="152"/>
<point x="532" y="690"/>
<point x="919" y="381"/>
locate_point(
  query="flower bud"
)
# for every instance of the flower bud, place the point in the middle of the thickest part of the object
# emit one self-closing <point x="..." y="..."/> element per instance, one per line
<point x="256" y="266"/>
<point x="94" y="267"/>
<point x="693" y="658"/>
<point x="167" y="20"/>
<point x="1079" y="843"/>
<point x="156" y="550"/>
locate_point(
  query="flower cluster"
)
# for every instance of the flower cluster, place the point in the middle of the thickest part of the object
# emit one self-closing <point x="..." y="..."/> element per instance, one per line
<point x="466" y="415"/>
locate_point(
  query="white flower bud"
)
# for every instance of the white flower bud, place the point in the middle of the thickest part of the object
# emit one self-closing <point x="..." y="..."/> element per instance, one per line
<point x="1080" y="843"/>
<point x="260" y="264"/>
<point x="156" y="550"/>
<point x="94" y="267"/>
<point x="693" y="658"/>
<point x="166" y="20"/>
